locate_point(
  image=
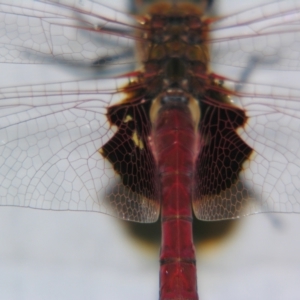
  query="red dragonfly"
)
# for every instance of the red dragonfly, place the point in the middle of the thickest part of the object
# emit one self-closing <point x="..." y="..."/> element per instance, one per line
<point x="164" y="137"/>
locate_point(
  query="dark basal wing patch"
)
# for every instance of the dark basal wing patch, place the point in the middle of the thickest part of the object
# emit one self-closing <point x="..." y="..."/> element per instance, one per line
<point x="218" y="193"/>
<point x="136" y="198"/>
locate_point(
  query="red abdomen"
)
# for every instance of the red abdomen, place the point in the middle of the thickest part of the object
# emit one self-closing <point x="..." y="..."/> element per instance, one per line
<point x="175" y="143"/>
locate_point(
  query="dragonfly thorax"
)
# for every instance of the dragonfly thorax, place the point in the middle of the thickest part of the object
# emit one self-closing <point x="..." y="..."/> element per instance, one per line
<point x="174" y="50"/>
<point x="175" y="99"/>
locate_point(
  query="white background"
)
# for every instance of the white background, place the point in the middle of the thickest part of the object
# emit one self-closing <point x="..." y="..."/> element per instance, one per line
<point x="72" y="255"/>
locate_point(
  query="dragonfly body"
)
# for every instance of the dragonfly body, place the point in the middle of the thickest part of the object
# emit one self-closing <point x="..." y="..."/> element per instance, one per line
<point x="176" y="147"/>
<point x="173" y="138"/>
<point x="163" y="129"/>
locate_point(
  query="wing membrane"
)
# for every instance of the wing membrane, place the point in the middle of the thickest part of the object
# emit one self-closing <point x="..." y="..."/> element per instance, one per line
<point x="49" y="153"/>
<point x="269" y="181"/>
<point x="50" y="135"/>
<point x="49" y="31"/>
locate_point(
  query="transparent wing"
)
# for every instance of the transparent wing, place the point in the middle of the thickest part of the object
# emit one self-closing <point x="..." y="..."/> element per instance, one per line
<point x="82" y="32"/>
<point x="269" y="34"/>
<point x="77" y="32"/>
<point x="51" y="136"/>
<point x="269" y="180"/>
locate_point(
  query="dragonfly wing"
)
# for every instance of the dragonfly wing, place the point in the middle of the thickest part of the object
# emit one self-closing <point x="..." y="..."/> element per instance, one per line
<point x="268" y="34"/>
<point x="44" y="32"/>
<point x="136" y="197"/>
<point x="51" y="136"/>
<point x="266" y="165"/>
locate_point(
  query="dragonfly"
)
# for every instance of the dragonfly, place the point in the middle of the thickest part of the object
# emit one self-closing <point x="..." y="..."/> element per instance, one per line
<point x="89" y="139"/>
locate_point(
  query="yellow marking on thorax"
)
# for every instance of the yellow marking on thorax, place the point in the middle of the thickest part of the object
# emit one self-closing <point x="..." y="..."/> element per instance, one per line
<point x="138" y="142"/>
<point x="128" y="118"/>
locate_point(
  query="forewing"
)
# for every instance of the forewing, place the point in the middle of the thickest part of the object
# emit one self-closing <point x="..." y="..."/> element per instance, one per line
<point x="64" y="32"/>
<point x="268" y="34"/>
